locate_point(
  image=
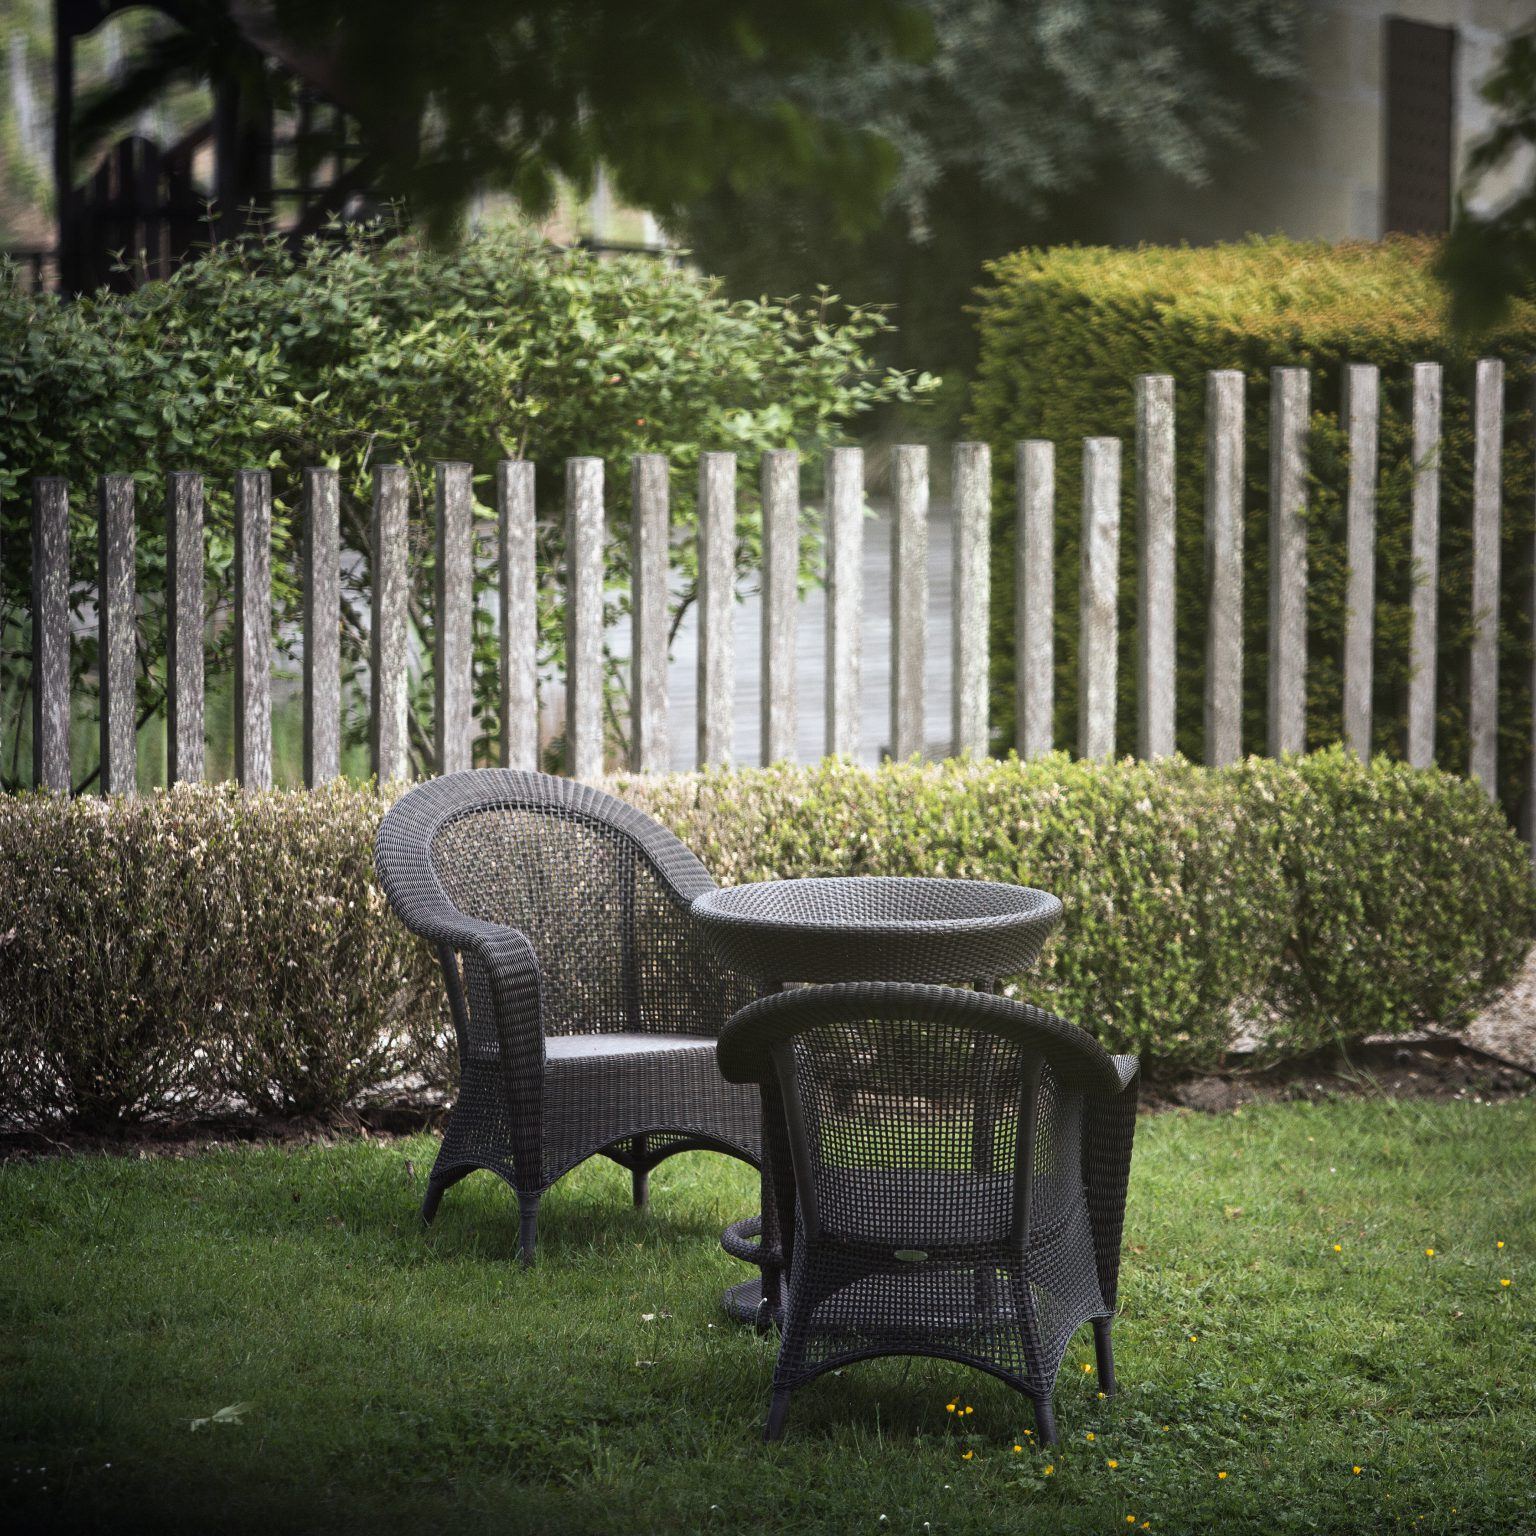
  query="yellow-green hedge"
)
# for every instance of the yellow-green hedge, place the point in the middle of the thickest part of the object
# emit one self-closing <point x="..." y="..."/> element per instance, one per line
<point x="1065" y="332"/>
<point x="200" y="948"/>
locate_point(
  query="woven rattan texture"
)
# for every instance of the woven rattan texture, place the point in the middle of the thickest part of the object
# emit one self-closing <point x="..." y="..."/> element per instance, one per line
<point x="558" y="911"/>
<point x="960" y="1163"/>
<point x="875" y="928"/>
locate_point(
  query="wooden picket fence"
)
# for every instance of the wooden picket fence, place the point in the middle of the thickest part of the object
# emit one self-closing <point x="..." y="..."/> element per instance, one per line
<point x="843" y="531"/>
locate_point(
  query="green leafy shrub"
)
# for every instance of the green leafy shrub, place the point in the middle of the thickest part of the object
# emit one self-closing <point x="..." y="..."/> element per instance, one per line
<point x="175" y="952"/>
<point x="1408" y="894"/>
<point x="200" y="947"/>
<point x="361" y="351"/>
<point x="1065" y="332"/>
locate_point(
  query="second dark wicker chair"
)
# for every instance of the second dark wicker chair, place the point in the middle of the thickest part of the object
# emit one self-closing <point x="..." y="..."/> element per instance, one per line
<point x="585" y="1007"/>
<point x="960" y="1166"/>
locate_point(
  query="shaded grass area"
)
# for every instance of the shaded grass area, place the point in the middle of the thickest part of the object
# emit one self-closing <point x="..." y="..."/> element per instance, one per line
<point x="402" y="1381"/>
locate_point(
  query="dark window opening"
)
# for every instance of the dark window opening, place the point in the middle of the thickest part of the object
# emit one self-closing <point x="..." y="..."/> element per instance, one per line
<point x="1420" y="102"/>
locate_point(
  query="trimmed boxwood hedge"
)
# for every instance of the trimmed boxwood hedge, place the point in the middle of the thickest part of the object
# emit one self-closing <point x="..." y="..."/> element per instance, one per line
<point x="200" y="947"/>
<point x="1064" y="333"/>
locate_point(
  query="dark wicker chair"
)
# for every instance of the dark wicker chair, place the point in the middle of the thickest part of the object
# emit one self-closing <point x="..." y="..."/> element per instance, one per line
<point x="586" y="1011"/>
<point x="960" y="1164"/>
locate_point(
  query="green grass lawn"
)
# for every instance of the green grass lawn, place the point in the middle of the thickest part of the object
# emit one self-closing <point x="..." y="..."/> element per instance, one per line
<point x="397" y="1380"/>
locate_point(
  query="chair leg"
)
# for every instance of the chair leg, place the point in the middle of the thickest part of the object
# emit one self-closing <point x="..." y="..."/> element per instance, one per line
<point x="778" y="1412"/>
<point x="1045" y="1421"/>
<point x="436" y="1185"/>
<point x="640" y="1175"/>
<point x="1104" y="1354"/>
<point x="528" y="1225"/>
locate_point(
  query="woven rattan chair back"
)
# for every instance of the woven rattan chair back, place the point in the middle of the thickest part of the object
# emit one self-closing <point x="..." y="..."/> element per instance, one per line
<point x="944" y="1144"/>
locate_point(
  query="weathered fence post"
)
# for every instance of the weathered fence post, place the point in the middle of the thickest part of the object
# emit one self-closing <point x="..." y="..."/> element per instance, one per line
<point x="970" y="595"/>
<point x="717" y="593"/>
<point x="1224" y="470"/>
<point x="253" y="628"/>
<point x="390" y="634"/>
<point x="781" y="577"/>
<point x="845" y="596"/>
<point x="1034" y="601"/>
<point x="516" y="527"/>
<point x="1362" y="394"/>
<point x="322" y="626"/>
<point x="1099" y="604"/>
<point x="1483" y="705"/>
<point x="50" y="633"/>
<point x="1156" y="507"/>
<point x="454" y="616"/>
<point x="909" y="599"/>
<point x="651" y="519"/>
<point x="184" y="628"/>
<point x="1424" y="636"/>
<point x="1290" y="391"/>
<point x="117" y="630"/>
<point x="584" y="534"/>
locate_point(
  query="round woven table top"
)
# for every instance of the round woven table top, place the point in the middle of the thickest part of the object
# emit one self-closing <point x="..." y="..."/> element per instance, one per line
<point x="877" y="928"/>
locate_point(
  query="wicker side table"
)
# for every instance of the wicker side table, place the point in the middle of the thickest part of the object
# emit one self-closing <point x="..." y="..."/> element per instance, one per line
<point x="854" y="928"/>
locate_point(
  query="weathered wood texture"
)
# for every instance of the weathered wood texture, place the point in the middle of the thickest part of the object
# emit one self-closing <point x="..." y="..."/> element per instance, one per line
<point x="117" y="634"/>
<point x="584" y="532"/>
<point x="1362" y="395"/>
<point x="1034" y="599"/>
<point x="50" y="633"/>
<point x="518" y="594"/>
<point x="845" y="596"/>
<point x="781" y="580"/>
<point x="322" y="626"/>
<point x="1224" y="471"/>
<point x="253" y="628"/>
<point x="717" y="602"/>
<point x="1290" y="396"/>
<point x="1425" y="604"/>
<point x="1488" y="449"/>
<point x="651" y="519"/>
<point x="1156" y="506"/>
<point x="390" y="638"/>
<point x="970" y="595"/>
<point x="909" y="599"/>
<point x="1098" y="643"/>
<point x="454" y="616"/>
<point x="184" y="555"/>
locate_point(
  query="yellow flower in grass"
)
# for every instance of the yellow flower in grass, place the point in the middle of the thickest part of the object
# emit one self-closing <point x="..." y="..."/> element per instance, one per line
<point x="1221" y="1477"/>
<point x="1194" y="1338"/>
<point x="1089" y="1435"/>
<point x="1018" y="1448"/>
<point x="1356" y="1470"/>
<point x="1111" y="1463"/>
<point x="968" y="1455"/>
<point x="949" y="1407"/>
<point x="1429" y="1253"/>
<point x="1086" y="1367"/>
<point x="1506" y="1282"/>
<point x="1050" y="1470"/>
<point x="1338" y="1247"/>
<point x="1500" y="1243"/>
<point x="969" y="1409"/>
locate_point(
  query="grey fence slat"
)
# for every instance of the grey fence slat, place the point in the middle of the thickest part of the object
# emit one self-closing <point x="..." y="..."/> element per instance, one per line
<point x="1224" y="471"/>
<point x="781" y="578"/>
<point x="1290" y="396"/>
<point x="909" y="600"/>
<point x="717" y="598"/>
<point x="1362" y="395"/>
<point x="390" y="636"/>
<point x="185" y="752"/>
<point x="454" y="616"/>
<point x="1424" y="618"/>
<point x="322" y="626"/>
<point x="844" y="596"/>
<point x="584" y="532"/>
<point x="651" y="519"/>
<point x="50" y="633"/>
<point x="1488" y="448"/>
<point x="253" y="628"/>
<point x="516" y="528"/>
<point x="117" y="633"/>
<point x="1035" y="598"/>
<point x="970" y="597"/>
<point x="1099" y="604"/>
<point x="1155" y="588"/>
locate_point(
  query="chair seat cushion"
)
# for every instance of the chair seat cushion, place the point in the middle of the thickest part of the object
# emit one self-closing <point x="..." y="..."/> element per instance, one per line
<point x="595" y="1047"/>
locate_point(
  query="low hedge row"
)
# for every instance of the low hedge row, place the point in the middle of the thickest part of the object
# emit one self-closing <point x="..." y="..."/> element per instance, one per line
<point x="200" y="947"/>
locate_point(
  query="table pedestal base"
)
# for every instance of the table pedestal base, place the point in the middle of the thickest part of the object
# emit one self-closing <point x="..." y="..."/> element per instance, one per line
<point x="744" y="1303"/>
